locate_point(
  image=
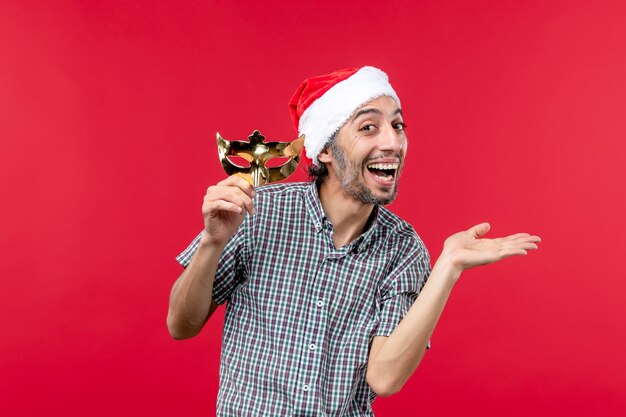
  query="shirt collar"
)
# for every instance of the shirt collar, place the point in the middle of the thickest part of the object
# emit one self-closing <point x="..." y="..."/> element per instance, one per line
<point x="318" y="217"/>
<point x="314" y="207"/>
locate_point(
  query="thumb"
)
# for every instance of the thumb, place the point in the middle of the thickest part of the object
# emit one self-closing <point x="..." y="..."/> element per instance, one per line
<point x="479" y="230"/>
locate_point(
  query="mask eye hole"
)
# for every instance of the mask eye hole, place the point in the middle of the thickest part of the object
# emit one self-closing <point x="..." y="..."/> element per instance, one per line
<point x="238" y="161"/>
<point x="277" y="161"/>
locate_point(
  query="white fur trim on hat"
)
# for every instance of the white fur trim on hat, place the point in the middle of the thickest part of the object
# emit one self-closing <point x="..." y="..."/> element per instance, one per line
<point x="327" y="114"/>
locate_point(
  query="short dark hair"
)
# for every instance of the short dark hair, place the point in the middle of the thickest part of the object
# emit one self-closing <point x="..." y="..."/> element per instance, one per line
<point x="320" y="172"/>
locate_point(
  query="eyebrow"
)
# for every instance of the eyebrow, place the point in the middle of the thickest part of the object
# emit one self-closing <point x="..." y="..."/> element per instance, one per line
<point x="373" y="111"/>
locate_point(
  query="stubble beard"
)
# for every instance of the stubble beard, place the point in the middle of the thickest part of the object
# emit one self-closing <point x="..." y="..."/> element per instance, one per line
<point x="348" y="175"/>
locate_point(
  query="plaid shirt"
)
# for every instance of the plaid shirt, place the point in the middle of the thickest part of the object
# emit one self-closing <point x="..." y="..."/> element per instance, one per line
<point x="301" y="314"/>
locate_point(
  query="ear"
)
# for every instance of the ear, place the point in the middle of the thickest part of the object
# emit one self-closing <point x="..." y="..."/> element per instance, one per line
<point x="324" y="156"/>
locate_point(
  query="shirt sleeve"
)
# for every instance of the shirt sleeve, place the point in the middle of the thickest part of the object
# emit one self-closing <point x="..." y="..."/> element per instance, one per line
<point x="231" y="270"/>
<point x="402" y="289"/>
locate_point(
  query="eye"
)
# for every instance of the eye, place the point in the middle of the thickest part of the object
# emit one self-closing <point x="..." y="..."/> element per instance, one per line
<point x="368" y="128"/>
<point x="399" y="126"/>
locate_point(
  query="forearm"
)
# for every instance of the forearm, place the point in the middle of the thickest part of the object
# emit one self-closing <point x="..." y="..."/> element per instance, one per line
<point x="393" y="359"/>
<point x="191" y="296"/>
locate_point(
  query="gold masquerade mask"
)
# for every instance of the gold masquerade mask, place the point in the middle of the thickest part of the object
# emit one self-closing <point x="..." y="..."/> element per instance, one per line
<point x="257" y="152"/>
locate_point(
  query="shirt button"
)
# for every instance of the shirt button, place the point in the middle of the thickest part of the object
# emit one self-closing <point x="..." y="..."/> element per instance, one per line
<point x="320" y="303"/>
<point x="305" y="388"/>
<point x="312" y="346"/>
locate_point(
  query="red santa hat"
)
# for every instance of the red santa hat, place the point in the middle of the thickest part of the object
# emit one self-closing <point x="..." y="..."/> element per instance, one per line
<point x="322" y="104"/>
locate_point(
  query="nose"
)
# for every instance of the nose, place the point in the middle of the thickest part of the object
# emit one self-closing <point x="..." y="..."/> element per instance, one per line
<point x="392" y="139"/>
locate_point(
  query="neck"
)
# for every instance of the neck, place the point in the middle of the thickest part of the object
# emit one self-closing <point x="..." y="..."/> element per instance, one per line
<point x="348" y="216"/>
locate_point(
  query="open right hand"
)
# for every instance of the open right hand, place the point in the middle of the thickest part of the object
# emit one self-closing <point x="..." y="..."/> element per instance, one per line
<point x="470" y="248"/>
<point x="224" y="208"/>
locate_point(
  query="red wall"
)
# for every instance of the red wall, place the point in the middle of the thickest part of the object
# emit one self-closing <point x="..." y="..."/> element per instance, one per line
<point x="108" y="111"/>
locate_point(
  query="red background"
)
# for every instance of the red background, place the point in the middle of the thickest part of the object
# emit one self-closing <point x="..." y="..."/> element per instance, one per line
<point x="108" y="112"/>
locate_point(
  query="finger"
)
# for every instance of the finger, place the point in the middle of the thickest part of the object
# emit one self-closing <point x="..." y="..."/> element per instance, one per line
<point x="505" y="253"/>
<point x="528" y="246"/>
<point x="227" y="193"/>
<point x="239" y="182"/>
<point x="522" y="243"/>
<point x="479" y="230"/>
<point x="528" y="238"/>
<point x="517" y="236"/>
<point x="242" y="199"/>
<point x="511" y="238"/>
<point x="248" y="204"/>
<point x="246" y="177"/>
<point x="236" y="196"/>
<point x="230" y="193"/>
<point x="212" y="207"/>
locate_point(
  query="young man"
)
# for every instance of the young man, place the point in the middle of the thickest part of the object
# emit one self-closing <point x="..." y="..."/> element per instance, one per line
<point x="321" y="281"/>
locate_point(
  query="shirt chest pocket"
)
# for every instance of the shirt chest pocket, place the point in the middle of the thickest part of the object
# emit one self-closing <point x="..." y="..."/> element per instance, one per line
<point x="352" y="285"/>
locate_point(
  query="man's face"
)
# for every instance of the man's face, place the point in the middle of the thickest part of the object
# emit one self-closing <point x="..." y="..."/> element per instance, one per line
<point x="369" y="151"/>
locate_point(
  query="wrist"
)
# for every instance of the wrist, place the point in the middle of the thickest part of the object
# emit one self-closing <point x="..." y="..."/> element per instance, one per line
<point x="448" y="268"/>
<point x="208" y="241"/>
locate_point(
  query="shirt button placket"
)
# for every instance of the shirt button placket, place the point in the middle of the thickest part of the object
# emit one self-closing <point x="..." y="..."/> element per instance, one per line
<point x="315" y="331"/>
<point x="320" y="304"/>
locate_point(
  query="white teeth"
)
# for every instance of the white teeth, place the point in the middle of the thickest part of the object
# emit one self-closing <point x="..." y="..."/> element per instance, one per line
<point x="383" y="176"/>
<point x="383" y="166"/>
<point x="387" y="178"/>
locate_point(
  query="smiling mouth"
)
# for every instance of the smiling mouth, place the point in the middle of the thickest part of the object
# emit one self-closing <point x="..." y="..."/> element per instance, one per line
<point x="383" y="172"/>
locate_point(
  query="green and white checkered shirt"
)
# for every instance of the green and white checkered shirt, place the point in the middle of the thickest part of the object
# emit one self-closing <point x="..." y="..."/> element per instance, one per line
<point x="301" y="314"/>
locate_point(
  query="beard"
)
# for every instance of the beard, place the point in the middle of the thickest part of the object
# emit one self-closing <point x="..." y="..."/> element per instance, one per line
<point x="348" y="175"/>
